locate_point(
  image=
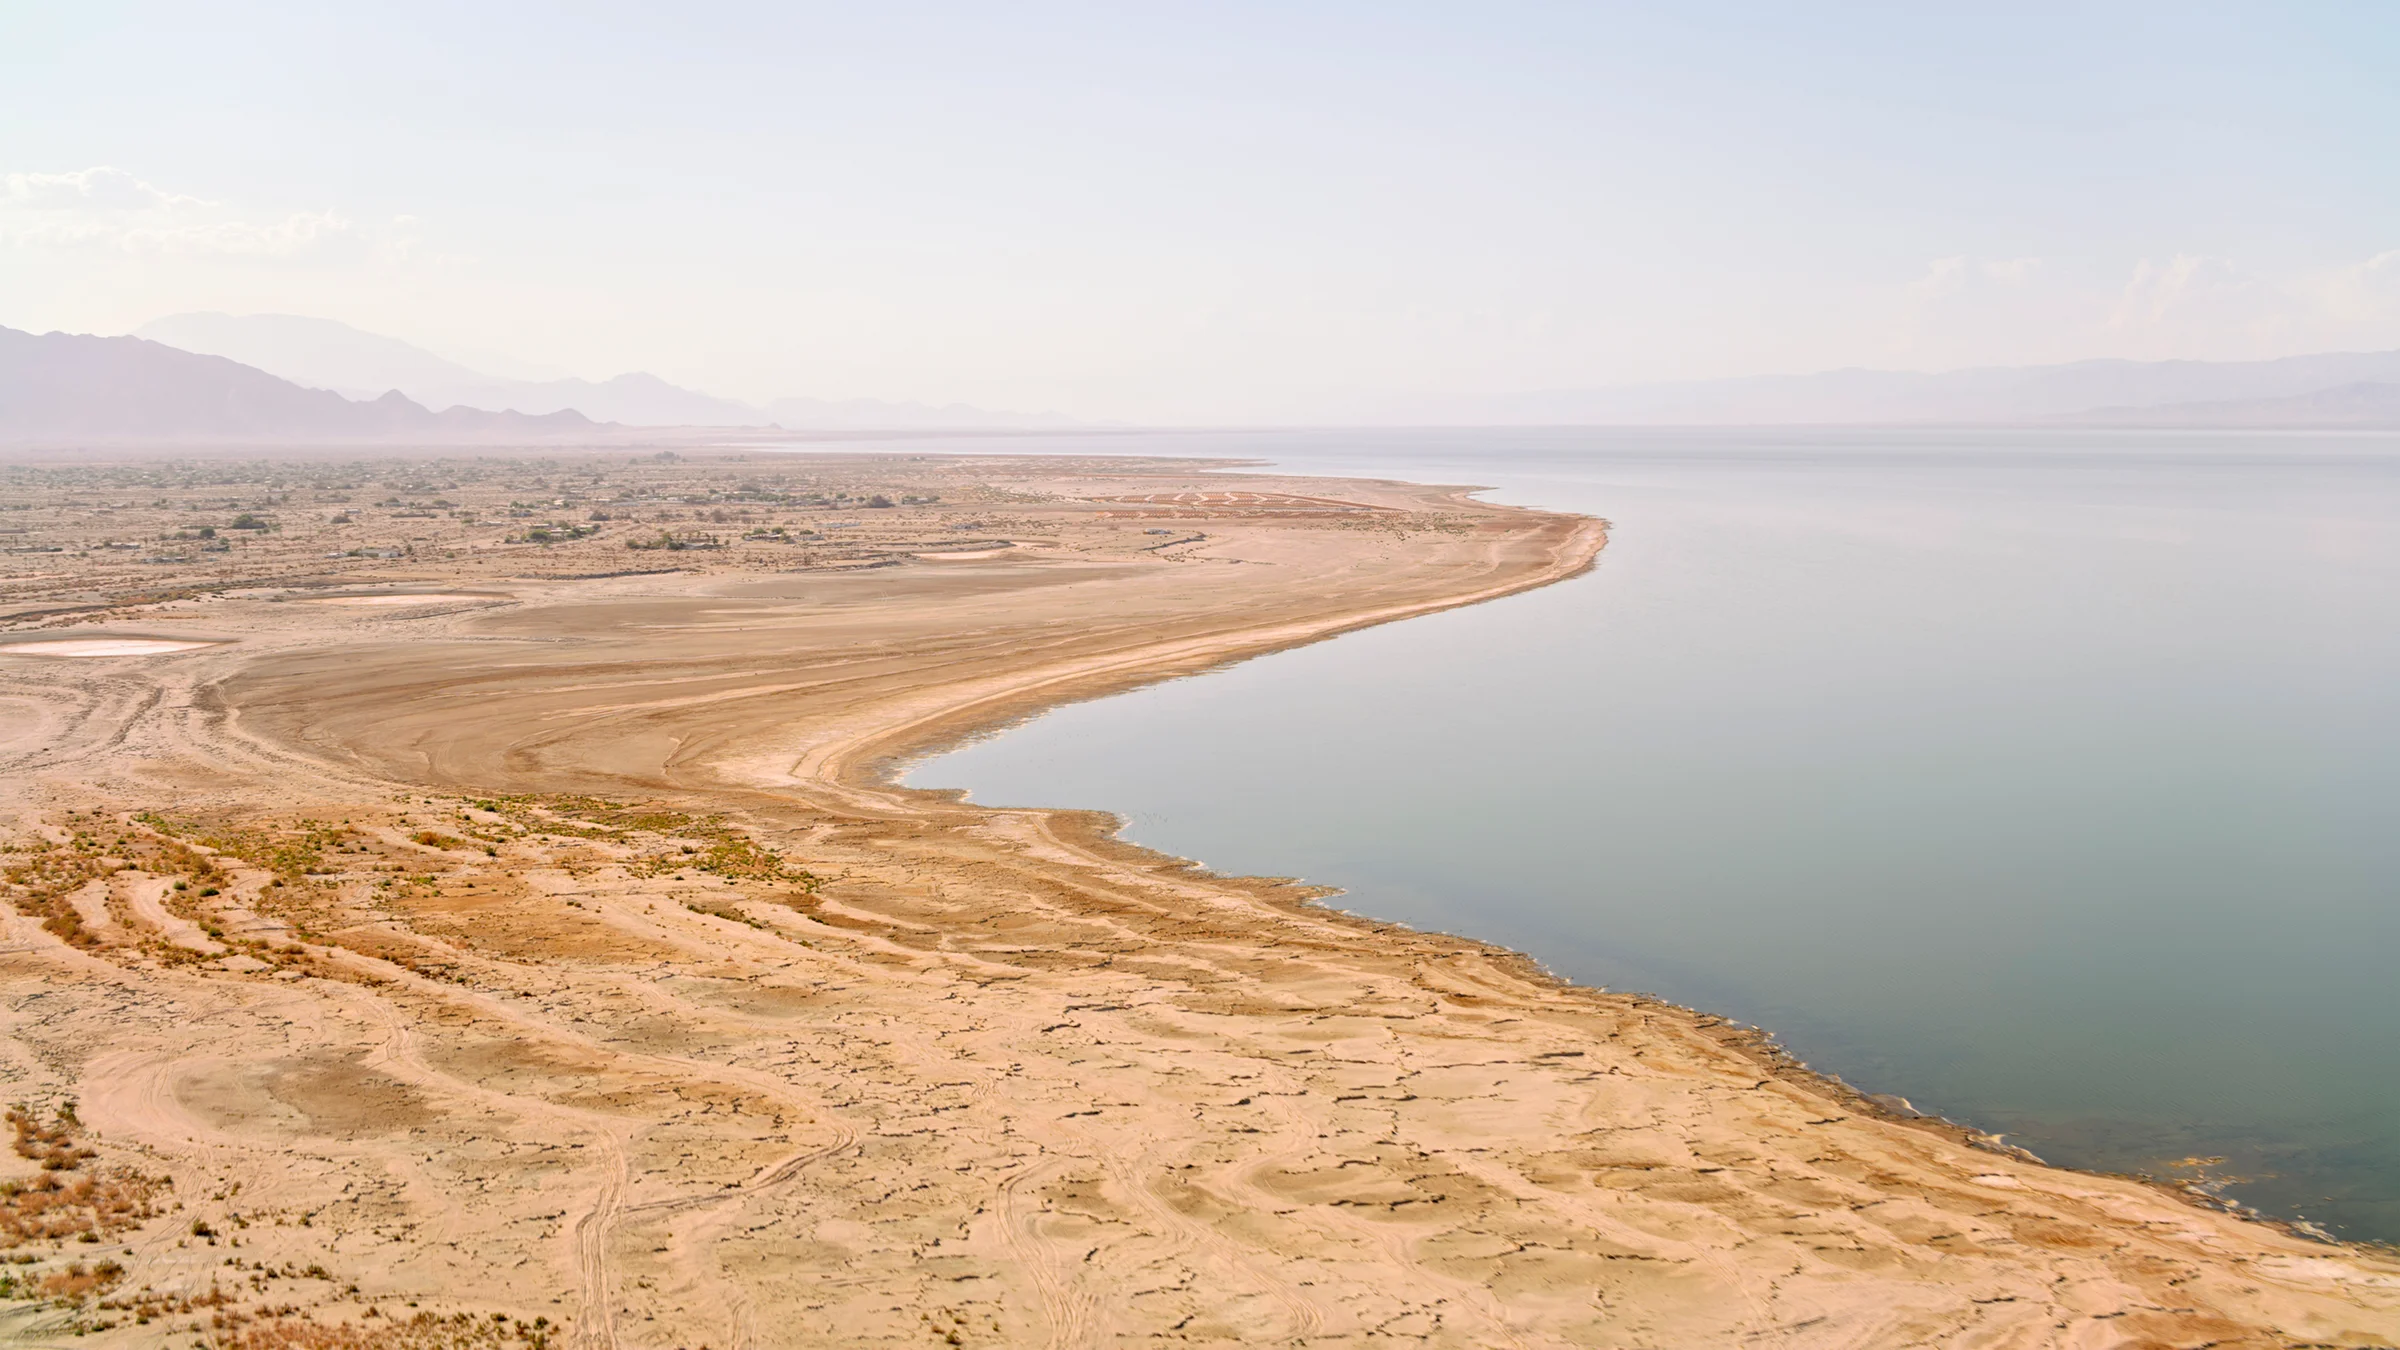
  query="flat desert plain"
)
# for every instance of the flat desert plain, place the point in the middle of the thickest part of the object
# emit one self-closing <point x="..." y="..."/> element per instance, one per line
<point x="463" y="903"/>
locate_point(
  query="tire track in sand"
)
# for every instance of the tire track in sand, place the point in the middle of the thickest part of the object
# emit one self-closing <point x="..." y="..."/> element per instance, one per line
<point x="1065" y="1307"/>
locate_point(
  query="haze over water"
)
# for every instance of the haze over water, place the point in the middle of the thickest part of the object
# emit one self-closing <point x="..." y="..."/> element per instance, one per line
<point x="2047" y="779"/>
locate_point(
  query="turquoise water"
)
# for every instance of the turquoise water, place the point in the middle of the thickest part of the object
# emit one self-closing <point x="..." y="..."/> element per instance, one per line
<point x="2049" y="780"/>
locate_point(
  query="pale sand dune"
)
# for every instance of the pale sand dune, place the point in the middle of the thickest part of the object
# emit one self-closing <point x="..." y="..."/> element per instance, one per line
<point x="995" y="1078"/>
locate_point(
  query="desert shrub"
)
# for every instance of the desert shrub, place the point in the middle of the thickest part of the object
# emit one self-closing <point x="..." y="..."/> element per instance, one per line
<point x="51" y="1207"/>
<point x="424" y="1331"/>
<point x="52" y="1145"/>
<point x="54" y="1205"/>
<point x="78" y="1281"/>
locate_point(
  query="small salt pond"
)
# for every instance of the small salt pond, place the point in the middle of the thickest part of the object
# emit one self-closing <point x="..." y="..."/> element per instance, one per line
<point x="970" y="555"/>
<point x="391" y="601"/>
<point x="100" y="647"/>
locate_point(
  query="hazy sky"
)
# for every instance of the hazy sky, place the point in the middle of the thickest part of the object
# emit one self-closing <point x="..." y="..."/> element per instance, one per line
<point x="1213" y="211"/>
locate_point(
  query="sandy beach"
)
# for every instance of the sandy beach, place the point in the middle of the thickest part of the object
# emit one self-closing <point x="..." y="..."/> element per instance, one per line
<point x="467" y="938"/>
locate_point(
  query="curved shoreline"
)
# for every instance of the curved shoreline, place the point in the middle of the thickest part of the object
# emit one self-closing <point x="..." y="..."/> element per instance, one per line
<point x="867" y="762"/>
<point x="871" y="759"/>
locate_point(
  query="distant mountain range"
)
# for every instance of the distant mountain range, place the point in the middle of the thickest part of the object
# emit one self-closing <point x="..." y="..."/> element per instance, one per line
<point x="67" y="387"/>
<point x="323" y="354"/>
<point x="2365" y="404"/>
<point x="2294" y="391"/>
<point x="60" y="388"/>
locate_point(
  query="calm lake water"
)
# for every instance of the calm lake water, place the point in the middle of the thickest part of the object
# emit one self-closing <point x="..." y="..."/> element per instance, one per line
<point x="2050" y="780"/>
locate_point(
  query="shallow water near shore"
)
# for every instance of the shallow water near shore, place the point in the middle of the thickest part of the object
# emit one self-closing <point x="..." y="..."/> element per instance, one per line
<point x="2046" y="779"/>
